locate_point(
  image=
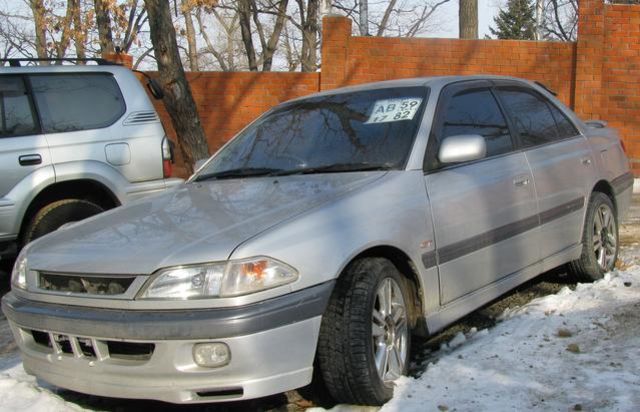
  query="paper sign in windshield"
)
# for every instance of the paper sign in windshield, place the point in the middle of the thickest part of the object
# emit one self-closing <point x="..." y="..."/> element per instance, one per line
<point x="394" y="110"/>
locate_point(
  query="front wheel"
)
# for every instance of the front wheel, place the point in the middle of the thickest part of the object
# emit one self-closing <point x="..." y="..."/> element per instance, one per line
<point x="364" y="338"/>
<point x="599" y="239"/>
<point x="56" y="214"/>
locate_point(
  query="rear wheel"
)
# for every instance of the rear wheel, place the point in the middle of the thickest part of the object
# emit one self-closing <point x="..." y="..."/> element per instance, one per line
<point x="364" y="338"/>
<point x="599" y="239"/>
<point x="56" y="214"/>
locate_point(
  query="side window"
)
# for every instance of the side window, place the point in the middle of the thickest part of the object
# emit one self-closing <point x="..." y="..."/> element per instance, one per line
<point x="477" y="112"/>
<point x="16" y="114"/>
<point x="69" y="102"/>
<point x="532" y="117"/>
<point x="566" y="129"/>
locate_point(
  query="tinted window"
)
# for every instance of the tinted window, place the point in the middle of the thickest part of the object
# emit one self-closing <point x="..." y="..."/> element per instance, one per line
<point x="16" y="116"/>
<point x="532" y="117"/>
<point x="69" y="102"/>
<point x="359" y="129"/>
<point x="566" y="129"/>
<point x="477" y="112"/>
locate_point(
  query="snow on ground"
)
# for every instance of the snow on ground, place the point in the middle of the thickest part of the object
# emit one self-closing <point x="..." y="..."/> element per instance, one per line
<point x="576" y="350"/>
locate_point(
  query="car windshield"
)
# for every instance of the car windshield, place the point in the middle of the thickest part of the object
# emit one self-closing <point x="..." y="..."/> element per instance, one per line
<point x="364" y="130"/>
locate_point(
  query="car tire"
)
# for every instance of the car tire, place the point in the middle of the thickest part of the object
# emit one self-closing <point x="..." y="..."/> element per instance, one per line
<point x="365" y="323"/>
<point x="599" y="240"/>
<point x="56" y="214"/>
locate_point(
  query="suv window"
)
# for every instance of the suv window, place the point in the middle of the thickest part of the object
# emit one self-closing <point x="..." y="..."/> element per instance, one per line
<point x="69" y="102"/>
<point x="16" y="114"/>
<point x="531" y="115"/>
<point x="477" y="112"/>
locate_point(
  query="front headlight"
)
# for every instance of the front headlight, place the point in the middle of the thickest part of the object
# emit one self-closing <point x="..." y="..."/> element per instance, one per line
<point x="224" y="279"/>
<point x="19" y="273"/>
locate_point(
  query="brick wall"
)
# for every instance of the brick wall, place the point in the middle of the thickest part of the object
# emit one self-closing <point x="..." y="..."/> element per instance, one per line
<point x="620" y="91"/>
<point x="598" y="76"/>
<point x="368" y="59"/>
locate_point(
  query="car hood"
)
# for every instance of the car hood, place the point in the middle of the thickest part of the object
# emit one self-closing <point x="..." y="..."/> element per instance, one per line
<point x="198" y="222"/>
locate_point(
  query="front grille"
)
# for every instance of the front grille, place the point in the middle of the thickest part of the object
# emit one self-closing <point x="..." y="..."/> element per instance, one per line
<point x="84" y="284"/>
<point x="84" y="347"/>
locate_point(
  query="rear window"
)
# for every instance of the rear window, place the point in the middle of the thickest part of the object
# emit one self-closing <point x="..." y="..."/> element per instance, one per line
<point x="69" y="102"/>
<point x="16" y="116"/>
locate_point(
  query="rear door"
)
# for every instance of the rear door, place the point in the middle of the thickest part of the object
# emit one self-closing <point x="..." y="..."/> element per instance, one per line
<point x="23" y="149"/>
<point x="484" y="211"/>
<point x="561" y="162"/>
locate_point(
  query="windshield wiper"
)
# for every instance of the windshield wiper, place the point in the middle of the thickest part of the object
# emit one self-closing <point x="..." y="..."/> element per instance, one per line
<point x="239" y="172"/>
<point x="336" y="168"/>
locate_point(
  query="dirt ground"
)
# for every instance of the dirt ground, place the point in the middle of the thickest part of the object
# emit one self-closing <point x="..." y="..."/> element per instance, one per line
<point x="422" y="350"/>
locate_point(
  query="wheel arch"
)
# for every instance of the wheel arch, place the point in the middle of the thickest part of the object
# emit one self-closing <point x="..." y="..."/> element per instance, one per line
<point x="408" y="270"/>
<point x="605" y="187"/>
<point x="86" y="189"/>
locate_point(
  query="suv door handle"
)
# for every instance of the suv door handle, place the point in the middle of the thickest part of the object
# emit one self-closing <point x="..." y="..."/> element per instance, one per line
<point x="30" y="160"/>
<point x="521" y="181"/>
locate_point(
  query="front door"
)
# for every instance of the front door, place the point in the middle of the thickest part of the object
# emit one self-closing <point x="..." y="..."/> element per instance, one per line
<point x="484" y="211"/>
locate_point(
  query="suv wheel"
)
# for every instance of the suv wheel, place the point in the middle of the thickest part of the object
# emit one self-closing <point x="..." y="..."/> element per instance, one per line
<point x="599" y="239"/>
<point x="364" y="337"/>
<point x="56" y="214"/>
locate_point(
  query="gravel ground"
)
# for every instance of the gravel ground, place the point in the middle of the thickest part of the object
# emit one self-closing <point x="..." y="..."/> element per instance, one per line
<point x="423" y="350"/>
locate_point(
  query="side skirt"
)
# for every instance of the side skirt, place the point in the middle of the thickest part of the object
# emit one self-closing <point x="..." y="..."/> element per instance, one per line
<point x="464" y="305"/>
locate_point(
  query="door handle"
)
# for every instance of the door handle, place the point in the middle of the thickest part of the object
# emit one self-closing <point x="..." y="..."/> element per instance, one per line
<point x="30" y="160"/>
<point x="586" y="161"/>
<point x="521" y="181"/>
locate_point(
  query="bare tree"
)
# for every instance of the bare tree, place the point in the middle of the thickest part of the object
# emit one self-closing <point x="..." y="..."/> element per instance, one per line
<point x="178" y="99"/>
<point x="560" y="20"/>
<point x="38" y="10"/>
<point x="190" y="32"/>
<point x="468" y="19"/>
<point x="310" y="28"/>
<point x="103" y="22"/>
<point x="403" y="18"/>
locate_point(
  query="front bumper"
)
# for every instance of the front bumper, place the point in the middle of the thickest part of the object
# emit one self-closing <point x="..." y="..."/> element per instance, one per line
<point x="270" y="353"/>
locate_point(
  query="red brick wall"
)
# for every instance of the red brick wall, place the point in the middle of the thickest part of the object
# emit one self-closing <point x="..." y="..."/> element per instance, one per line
<point x="598" y="76"/>
<point x="620" y="96"/>
<point x="369" y="59"/>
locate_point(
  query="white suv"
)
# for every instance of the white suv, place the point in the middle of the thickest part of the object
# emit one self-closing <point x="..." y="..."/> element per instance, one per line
<point x="74" y="140"/>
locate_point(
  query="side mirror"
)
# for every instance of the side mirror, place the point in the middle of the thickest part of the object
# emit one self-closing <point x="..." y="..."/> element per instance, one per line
<point x="199" y="163"/>
<point x="462" y="148"/>
<point x="155" y="89"/>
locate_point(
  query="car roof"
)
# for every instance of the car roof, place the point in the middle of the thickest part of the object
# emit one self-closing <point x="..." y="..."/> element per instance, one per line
<point x="433" y="81"/>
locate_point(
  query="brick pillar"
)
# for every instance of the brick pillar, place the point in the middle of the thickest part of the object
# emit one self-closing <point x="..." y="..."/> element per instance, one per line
<point x="336" y="31"/>
<point x="121" y="58"/>
<point x="589" y="59"/>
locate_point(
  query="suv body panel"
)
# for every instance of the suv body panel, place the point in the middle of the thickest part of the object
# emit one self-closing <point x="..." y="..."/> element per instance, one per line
<point x="125" y="157"/>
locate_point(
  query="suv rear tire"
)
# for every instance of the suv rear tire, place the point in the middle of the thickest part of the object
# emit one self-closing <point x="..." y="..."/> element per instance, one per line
<point x="599" y="240"/>
<point x="56" y="214"/>
<point x="364" y="339"/>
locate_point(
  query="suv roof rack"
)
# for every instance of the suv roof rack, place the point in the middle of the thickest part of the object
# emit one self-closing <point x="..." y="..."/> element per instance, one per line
<point x="16" y="62"/>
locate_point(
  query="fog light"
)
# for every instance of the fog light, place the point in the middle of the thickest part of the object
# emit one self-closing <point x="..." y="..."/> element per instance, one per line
<point x="211" y="355"/>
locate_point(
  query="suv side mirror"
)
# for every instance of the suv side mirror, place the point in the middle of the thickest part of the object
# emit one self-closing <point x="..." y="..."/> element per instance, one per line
<point x="462" y="148"/>
<point x="155" y="89"/>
